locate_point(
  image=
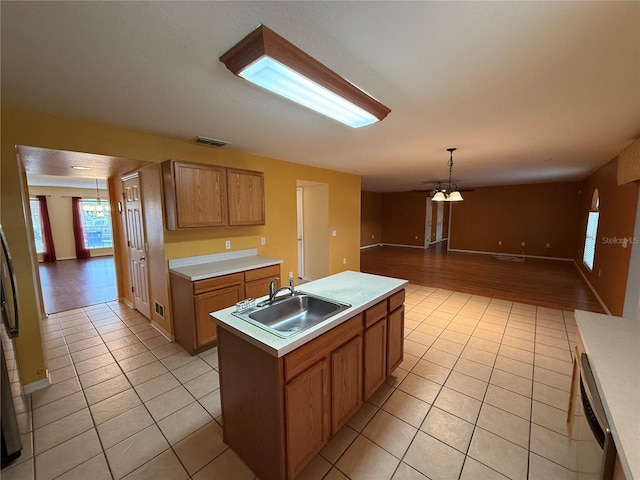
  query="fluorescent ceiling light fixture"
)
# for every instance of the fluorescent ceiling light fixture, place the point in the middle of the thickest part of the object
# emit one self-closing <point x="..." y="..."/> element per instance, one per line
<point x="80" y="167"/>
<point x="268" y="60"/>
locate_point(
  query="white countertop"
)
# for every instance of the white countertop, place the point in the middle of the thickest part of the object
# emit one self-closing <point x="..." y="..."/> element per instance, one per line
<point x="360" y="290"/>
<point x="218" y="264"/>
<point x="612" y="345"/>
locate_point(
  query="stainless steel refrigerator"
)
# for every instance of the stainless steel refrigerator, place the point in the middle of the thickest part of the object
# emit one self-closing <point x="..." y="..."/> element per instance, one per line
<point x="11" y="443"/>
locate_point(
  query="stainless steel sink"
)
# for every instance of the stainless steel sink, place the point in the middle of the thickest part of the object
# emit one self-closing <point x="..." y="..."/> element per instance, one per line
<point x="287" y="316"/>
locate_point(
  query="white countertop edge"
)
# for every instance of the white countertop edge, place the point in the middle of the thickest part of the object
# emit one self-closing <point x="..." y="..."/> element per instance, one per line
<point x="586" y="319"/>
<point x="279" y="347"/>
<point x="203" y="271"/>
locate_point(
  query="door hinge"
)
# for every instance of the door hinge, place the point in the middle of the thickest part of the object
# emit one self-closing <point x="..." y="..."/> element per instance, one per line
<point x="132" y="289"/>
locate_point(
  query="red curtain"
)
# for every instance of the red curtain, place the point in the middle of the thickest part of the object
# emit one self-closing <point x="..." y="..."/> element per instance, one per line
<point x="49" y="254"/>
<point x="78" y="232"/>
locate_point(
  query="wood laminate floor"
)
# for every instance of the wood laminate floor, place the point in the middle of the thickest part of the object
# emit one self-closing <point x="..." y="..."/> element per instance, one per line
<point x="70" y="284"/>
<point x="549" y="283"/>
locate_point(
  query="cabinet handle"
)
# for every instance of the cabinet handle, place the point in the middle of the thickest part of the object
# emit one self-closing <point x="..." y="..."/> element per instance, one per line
<point x="142" y="258"/>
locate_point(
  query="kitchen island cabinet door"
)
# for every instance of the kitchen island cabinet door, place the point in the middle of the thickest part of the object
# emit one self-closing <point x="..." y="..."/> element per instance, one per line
<point x="346" y="382"/>
<point x="375" y="357"/>
<point x="211" y="302"/>
<point x="307" y="413"/>
<point x="395" y="339"/>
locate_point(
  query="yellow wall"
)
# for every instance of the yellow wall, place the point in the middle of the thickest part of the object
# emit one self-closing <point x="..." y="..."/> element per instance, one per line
<point x="20" y="127"/>
<point x="61" y="218"/>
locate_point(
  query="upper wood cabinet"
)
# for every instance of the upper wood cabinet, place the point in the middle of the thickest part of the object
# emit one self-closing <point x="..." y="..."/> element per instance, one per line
<point x="194" y="195"/>
<point x="199" y="195"/>
<point x="245" y="189"/>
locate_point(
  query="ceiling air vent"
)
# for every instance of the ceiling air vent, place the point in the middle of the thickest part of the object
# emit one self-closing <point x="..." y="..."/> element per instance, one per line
<point x="212" y="142"/>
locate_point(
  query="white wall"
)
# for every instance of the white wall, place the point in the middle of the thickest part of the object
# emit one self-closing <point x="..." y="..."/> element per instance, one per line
<point x="632" y="296"/>
<point x="60" y="216"/>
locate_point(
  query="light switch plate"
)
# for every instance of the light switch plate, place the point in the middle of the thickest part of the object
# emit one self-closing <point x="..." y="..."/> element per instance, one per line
<point x="227" y="244"/>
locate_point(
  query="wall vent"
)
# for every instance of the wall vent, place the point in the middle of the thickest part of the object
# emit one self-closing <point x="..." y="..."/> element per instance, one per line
<point x="212" y="142"/>
<point x="159" y="309"/>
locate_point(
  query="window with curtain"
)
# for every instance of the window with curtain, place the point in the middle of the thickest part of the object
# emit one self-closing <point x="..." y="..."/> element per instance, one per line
<point x="96" y="222"/>
<point x="37" y="224"/>
<point x="591" y="236"/>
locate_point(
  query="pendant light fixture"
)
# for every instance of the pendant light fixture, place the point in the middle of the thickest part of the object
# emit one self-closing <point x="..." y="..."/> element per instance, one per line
<point x="448" y="192"/>
<point x="266" y="59"/>
<point x="96" y="210"/>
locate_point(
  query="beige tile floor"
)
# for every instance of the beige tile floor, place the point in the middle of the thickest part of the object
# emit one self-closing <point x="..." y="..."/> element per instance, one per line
<point x="481" y="394"/>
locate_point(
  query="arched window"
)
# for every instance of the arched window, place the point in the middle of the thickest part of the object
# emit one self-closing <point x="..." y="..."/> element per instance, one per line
<point x="592" y="231"/>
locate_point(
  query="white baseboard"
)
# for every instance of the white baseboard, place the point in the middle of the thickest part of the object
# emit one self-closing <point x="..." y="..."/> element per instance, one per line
<point x="162" y="331"/>
<point x="35" y="386"/>
<point x="602" y="304"/>
<point x="402" y="245"/>
<point x="371" y="246"/>
<point x="459" y="250"/>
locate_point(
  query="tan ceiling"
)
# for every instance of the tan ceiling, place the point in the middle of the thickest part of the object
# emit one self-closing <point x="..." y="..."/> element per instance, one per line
<point x="528" y="91"/>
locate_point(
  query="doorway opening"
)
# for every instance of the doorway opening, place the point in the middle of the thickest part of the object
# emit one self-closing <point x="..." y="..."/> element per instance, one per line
<point x="312" y="229"/>
<point x="436" y="222"/>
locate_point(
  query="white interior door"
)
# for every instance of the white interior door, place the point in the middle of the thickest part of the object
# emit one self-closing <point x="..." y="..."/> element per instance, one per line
<point x="300" y="227"/>
<point x="428" y="222"/>
<point x="439" y="221"/>
<point x="137" y="246"/>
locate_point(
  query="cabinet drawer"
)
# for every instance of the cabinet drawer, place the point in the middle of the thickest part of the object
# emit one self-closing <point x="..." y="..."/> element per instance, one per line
<point x="302" y="358"/>
<point x="396" y="300"/>
<point x="201" y="286"/>
<point x="260" y="273"/>
<point x="375" y="313"/>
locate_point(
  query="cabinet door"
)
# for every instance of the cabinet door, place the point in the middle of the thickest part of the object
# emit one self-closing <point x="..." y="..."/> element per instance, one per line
<point x="257" y="288"/>
<point x="346" y="382"/>
<point x="307" y="411"/>
<point x="206" y="303"/>
<point x="375" y="357"/>
<point x="246" y="197"/>
<point x="395" y="339"/>
<point x="200" y="196"/>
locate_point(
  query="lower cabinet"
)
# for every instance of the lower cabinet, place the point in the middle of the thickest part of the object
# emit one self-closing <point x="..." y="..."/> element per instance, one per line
<point x="307" y="410"/>
<point x="346" y="382"/>
<point x="375" y="364"/>
<point x="206" y="303"/>
<point x="193" y="301"/>
<point x="306" y="396"/>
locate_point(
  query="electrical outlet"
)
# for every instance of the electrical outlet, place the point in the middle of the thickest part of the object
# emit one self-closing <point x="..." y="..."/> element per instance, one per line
<point x="599" y="273"/>
<point x="373" y="236"/>
<point x="227" y="244"/>
<point x="344" y="261"/>
<point x="523" y="244"/>
<point x="499" y="242"/>
<point x="333" y="233"/>
<point x="416" y="237"/>
<point x="548" y="245"/>
<point x="263" y="240"/>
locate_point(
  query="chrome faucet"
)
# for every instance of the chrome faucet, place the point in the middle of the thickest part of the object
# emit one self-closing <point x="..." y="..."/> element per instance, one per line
<point x="272" y="289"/>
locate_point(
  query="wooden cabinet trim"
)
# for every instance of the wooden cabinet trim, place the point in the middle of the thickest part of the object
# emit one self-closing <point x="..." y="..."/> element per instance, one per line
<point x="396" y="300"/>
<point x="270" y="272"/>
<point x="201" y="286"/>
<point x="375" y="313"/>
<point x="303" y="357"/>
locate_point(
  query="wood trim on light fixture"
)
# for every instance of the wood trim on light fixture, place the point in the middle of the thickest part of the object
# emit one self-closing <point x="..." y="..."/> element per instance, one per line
<point x="265" y="42"/>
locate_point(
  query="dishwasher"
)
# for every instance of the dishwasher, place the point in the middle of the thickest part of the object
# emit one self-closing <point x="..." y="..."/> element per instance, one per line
<point x="596" y="449"/>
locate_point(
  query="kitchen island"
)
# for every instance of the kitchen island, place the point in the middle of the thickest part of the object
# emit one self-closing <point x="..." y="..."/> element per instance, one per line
<point x="283" y="398"/>
<point x="612" y="345"/>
